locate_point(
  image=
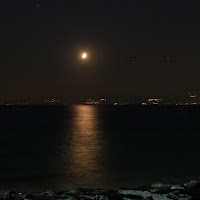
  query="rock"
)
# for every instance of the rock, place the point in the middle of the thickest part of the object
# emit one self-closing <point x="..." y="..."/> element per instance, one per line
<point x="192" y="183"/>
<point x="12" y="196"/>
<point x="144" y="194"/>
<point x="177" y="187"/>
<point x="177" y="196"/>
<point x="154" y="190"/>
<point x="48" y="195"/>
<point x="163" y="186"/>
<point x="29" y="197"/>
<point x="161" y="197"/>
<point x="127" y="198"/>
<point x="93" y="197"/>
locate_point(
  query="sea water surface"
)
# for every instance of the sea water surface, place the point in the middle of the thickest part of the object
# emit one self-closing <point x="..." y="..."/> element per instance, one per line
<point x="64" y="147"/>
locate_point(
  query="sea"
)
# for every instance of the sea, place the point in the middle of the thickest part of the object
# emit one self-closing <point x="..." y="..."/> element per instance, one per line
<point x="57" y="147"/>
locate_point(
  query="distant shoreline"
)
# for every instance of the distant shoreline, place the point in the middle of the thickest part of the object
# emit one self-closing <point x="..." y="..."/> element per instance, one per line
<point x="161" y="105"/>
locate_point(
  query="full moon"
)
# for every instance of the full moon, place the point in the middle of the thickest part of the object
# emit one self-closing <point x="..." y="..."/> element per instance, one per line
<point x="84" y="55"/>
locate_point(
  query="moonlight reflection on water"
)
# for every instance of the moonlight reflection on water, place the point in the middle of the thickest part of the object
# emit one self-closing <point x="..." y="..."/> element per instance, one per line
<point x="85" y="146"/>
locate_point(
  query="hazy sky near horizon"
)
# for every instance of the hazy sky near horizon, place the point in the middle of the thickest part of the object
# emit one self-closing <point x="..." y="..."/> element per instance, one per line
<point x="134" y="48"/>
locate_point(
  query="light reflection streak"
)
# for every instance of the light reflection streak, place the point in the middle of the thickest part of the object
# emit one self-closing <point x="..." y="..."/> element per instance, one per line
<point x="85" y="146"/>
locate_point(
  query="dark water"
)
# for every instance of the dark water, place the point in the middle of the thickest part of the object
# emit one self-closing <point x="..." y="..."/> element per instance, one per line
<point x="62" y="147"/>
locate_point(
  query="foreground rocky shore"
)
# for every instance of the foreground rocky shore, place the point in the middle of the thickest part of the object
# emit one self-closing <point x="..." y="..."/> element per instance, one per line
<point x="158" y="191"/>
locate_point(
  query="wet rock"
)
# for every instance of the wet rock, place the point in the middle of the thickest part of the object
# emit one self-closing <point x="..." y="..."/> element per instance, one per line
<point x="161" y="197"/>
<point x="126" y="198"/>
<point x="64" y="196"/>
<point x="94" y="197"/>
<point x="192" y="183"/>
<point x="48" y="195"/>
<point x="134" y="198"/>
<point x="72" y="192"/>
<point x="177" y="187"/>
<point x="144" y="194"/>
<point x="177" y="196"/>
<point x="154" y="190"/>
<point x="12" y="196"/>
<point x="194" y="191"/>
<point x="162" y="186"/>
<point x="29" y="197"/>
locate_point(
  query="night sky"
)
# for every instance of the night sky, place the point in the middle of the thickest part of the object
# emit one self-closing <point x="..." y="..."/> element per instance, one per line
<point x="134" y="47"/>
